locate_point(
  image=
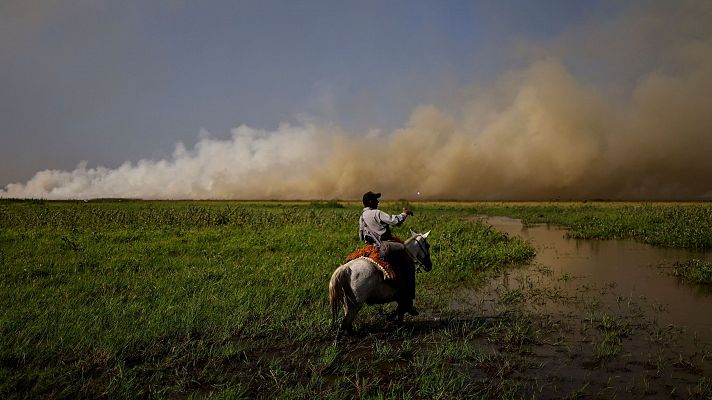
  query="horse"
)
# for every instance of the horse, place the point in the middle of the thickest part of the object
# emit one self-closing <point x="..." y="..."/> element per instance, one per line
<point x="359" y="282"/>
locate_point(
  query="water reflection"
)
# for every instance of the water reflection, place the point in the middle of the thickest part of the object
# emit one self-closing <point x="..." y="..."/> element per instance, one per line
<point x="630" y="269"/>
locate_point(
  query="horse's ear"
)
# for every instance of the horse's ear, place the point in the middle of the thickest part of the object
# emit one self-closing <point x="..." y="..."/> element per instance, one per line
<point x="412" y="233"/>
<point x="425" y="235"/>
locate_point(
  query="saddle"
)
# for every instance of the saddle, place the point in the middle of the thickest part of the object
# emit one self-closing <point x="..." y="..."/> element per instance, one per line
<point x="373" y="253"/>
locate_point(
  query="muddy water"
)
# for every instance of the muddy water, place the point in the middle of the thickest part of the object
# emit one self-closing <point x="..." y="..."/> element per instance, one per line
<point x="627" y="269"/>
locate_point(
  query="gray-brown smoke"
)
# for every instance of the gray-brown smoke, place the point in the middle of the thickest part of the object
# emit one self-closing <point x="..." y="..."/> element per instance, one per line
<point x="615" y="110"/>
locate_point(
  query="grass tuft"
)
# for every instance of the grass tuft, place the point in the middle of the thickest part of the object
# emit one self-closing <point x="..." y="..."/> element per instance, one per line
<point x="696" y="271"/>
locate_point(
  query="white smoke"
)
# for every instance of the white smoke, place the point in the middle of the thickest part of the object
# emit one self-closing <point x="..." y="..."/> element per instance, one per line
<point x="250" y="164"/>
<point x="539" y="132"/>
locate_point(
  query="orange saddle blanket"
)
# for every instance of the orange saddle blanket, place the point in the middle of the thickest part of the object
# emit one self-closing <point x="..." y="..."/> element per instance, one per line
<point x="372" y="252"/>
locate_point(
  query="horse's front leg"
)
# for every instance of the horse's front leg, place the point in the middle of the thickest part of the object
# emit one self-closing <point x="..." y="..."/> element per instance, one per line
<point x="398" y="313"/>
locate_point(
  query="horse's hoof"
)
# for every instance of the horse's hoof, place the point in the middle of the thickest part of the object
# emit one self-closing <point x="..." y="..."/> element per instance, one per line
<point x="340" y="332"/>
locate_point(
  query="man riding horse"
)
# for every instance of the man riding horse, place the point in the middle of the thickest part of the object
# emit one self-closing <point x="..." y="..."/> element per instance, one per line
<point x="374" y="228"/>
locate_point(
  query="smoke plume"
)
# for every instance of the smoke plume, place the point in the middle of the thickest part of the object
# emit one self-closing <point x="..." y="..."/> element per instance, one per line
<point x="615" y="110"/>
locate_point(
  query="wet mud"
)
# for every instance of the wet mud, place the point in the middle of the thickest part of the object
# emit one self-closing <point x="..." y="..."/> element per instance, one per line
<point x="597" y="318"/>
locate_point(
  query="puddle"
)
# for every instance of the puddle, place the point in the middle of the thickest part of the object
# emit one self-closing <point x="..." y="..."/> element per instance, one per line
<point x="620" y="272"/>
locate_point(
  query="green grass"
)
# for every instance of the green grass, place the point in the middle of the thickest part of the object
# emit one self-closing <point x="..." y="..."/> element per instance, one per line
<point x="696" y="271"/>
<point x="224" y="300"/>
<point x="612" y="332"/>
<point x="156" y="299"/>
<point x="663" y="224"/>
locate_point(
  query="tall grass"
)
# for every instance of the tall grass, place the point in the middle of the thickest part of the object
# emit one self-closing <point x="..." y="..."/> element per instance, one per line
<point x="136" y="299"/>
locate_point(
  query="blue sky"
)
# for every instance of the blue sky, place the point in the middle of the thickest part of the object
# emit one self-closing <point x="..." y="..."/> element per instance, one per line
<point x="108" y="82"/>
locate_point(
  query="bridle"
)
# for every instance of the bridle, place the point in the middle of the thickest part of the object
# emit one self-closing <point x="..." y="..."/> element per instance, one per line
<point x="420" y="246"/>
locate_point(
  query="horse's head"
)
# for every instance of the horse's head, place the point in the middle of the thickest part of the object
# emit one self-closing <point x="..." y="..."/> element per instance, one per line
<point x="419" y="248"/>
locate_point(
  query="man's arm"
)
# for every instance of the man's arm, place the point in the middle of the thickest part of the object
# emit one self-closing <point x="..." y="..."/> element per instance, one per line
<point x="392" y="220"/>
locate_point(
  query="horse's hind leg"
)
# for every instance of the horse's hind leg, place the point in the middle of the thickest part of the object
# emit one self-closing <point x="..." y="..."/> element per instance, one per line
<point x="347" y="324"/>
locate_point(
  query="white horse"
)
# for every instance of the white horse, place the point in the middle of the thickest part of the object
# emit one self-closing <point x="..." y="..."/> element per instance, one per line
<point x="359" y="281"/>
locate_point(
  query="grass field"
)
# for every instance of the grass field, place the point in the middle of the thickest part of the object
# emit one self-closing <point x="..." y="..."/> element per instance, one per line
<point x="663" y="224"/>
<point x="126" y="299"/>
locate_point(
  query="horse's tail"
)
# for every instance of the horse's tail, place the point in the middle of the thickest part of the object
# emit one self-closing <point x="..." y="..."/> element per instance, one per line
<point x="340" y="292"/>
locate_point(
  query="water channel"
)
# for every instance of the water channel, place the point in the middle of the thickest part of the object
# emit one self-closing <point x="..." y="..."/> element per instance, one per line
<point x="626" y="269"/>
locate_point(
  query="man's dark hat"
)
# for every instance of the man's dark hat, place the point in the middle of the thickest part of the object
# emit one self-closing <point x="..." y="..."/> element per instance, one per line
<point x="368" y="197"/>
